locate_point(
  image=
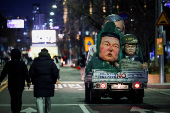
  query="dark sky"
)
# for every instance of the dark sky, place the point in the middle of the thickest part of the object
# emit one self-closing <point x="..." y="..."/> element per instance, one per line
<point x="24" y="7"/>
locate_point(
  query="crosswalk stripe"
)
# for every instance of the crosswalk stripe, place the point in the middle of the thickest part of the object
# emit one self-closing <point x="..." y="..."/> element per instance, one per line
<point x="78" y="85"/>
<point x="70" y="82"/>
<point x="81" y="89"/>
<point x="65" y="85"/>
<point x="71" y="85"/>
<point x="60" y="86"/>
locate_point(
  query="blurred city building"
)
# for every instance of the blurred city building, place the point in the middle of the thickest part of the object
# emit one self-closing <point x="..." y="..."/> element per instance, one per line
<point x="41" y="35"/>
<point x="39" y="19"/>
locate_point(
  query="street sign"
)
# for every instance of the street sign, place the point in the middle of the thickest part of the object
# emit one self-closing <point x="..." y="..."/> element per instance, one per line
<point x="159" y="46"/>
<point x="125" y="16"/>
<point x="88" y="42"/>
<point x="163" y="20"/>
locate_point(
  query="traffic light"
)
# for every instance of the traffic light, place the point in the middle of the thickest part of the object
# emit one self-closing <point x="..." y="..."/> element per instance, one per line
<point x="159" y="46"/>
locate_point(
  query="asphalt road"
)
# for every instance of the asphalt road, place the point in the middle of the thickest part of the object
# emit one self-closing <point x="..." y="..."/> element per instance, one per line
<point x="69" y="98"/>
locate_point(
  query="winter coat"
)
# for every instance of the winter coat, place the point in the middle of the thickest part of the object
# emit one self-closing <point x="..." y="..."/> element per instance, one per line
<point x="17" y="72"/>
<point x="43" y="73"/>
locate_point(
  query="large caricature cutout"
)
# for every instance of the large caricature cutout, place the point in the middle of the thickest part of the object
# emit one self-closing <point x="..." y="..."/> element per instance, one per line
<point x="131" y="59"/>
<point x="108" y="49"/>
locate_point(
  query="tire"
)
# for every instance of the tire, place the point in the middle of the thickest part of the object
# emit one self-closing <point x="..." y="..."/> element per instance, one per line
<point x="116" y="99"/>
<point x="139" y="100"/>
<point x="136" y="97"/>
<point x="93" y="99"/>
<point x="87" y="92"/>
<point x="136" y="100"/>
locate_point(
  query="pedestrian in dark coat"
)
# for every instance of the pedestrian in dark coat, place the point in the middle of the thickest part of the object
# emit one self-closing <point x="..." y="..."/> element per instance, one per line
<point x="44" y="75"/>
<point x="82" y="66"/>
<point x="17" y="74"/>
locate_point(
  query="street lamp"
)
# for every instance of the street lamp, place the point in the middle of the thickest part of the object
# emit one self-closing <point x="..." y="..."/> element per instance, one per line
<point x="51" y="13"/>
<point x="54" y="6"/>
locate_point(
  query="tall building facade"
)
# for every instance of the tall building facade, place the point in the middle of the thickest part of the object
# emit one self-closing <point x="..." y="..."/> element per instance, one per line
<point x="39" y="19"/>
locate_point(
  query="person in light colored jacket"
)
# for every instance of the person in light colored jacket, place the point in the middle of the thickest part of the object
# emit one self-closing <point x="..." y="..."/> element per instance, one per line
<point x="58" y="64"/>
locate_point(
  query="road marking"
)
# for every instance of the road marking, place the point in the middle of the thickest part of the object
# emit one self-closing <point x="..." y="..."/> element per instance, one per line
<point x="6" y="81"/>
<point x="61" y="86"/>
<point x="58" y="86"/>
<point x="65" y="85"/>
<point x="29" y="110"/>
<point x="81" y="89"/>
<point x="134" y="108"/>
<point x="70" y="82"/>
<point x="3" y="87"/>
<point x="159" y="92"/>
<point x="140" y="110"/>
<point x="84" y="109"/>
<point x="78" y="85"/>
<point x="8" y="105"/>
<point x="72" y="85"/>
<point x="6" y="84"/>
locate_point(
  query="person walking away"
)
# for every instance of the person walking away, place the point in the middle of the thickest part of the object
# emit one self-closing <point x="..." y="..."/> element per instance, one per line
<point x="44" y="75"/>
<point x="58" y="64"/>
<point x="17" y="74"/>
<point x="82" y="66"/>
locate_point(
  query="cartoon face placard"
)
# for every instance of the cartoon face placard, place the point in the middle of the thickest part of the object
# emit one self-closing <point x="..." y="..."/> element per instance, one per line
<point x="109" y="48"/>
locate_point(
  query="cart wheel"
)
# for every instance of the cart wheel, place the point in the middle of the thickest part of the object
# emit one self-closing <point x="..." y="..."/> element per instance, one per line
<point x="94" y="100"/>
<point x="139" y="100"/>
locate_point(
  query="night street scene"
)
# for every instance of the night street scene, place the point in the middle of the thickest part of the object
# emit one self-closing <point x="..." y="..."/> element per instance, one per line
<point x="84" y="56"/>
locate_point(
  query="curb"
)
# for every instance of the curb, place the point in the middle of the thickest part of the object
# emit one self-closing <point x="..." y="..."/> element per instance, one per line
<point x="159" y="86"/>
